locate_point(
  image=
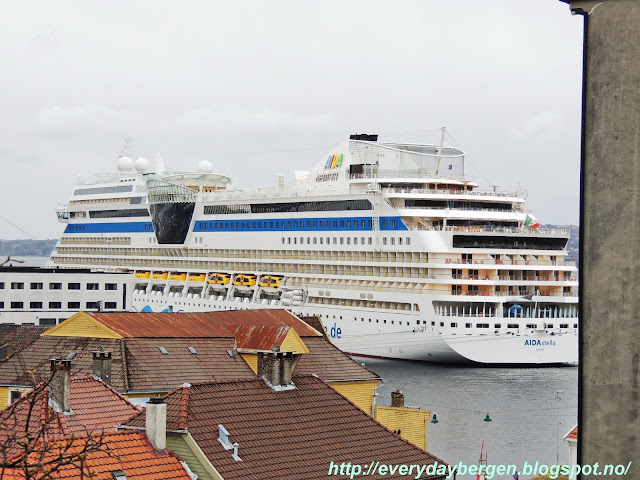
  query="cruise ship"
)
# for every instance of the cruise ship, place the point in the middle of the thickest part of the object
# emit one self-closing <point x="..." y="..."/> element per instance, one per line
<point x="391" y="245"/>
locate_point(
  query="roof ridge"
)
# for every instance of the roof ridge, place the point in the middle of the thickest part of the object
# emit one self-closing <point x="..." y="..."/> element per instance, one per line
<point x="184" y="410"/>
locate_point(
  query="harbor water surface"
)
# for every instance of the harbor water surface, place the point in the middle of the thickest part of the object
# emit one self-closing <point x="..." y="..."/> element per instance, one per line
<point x="521" y="403"/>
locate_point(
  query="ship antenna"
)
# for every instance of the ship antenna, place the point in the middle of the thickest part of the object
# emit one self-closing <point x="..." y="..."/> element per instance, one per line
<point x="444" y="131"/>
<point x="126" y="150"/>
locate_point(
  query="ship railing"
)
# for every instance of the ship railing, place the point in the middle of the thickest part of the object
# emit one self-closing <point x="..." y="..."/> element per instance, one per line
<point x="425" y="290"/>
<point x="492" y="262"/>
<point x="493" y="229"/>
<point x="533" y="278"/>
<point x="97" y="178"/>
<point x="381" y="175"/>
<point x="432" y="191"/>
<point x="475" y="209"/>
<point x="269" y="194"/>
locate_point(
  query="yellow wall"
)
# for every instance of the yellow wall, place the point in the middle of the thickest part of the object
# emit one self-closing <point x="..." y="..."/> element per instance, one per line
<point x="81" y="325"/>
<point x="4" y="397"/>
<point x="359" y="392"/>
<point x="293" y="343"/>
<point x="252" y="361"/>
<point x="412" y="422"/>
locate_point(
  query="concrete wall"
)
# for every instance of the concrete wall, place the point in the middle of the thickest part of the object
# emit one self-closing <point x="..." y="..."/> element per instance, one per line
<point x="609" y="420"/>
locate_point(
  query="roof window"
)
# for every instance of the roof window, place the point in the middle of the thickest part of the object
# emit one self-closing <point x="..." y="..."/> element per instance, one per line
<point x="163" y="350"/>
<point x="193" y="350"/>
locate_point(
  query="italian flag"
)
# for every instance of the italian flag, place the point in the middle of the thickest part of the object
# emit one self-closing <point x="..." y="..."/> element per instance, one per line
<point x="531" y="221"/>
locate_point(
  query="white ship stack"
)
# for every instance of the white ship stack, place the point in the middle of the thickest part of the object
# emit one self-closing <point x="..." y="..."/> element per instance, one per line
<point x="390" y="244"/>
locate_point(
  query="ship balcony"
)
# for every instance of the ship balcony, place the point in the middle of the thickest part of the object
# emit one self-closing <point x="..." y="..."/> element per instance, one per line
<point x="515" y="262"/>
<point x="494" y="229"/>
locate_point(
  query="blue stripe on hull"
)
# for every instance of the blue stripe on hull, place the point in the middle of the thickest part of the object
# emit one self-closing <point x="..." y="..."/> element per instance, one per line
<point x="123" y="227"/>
<point x="361" y="224"/>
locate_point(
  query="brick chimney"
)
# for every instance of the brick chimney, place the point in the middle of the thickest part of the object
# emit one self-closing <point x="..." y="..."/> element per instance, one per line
<point x="397" y="399"/>
<point x="276" y="367"/>
<point x="156" y="422"/>
<point x="102" y="365"/>
<point x="60" y="385"/>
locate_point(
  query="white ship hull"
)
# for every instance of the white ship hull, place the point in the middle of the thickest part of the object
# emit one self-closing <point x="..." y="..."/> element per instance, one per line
<point x="396" y="258"/>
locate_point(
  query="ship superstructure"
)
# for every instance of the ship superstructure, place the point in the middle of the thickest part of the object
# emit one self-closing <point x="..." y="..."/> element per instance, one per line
<point x="390" y="244"/>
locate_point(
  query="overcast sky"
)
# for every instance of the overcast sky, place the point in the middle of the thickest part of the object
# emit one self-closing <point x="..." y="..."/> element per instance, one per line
<point x="267" y="87"/>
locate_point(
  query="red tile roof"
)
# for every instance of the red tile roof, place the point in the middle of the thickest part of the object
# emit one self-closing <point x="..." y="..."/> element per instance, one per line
<point x="149" y="369"/>
<point x="128" y="451"/>
<point x="330" y="363"/>
<point x="95" y="407"/>
<point x="573" y="434"/>
<point x="18" y="337"/>
<point x="287" y="435"/>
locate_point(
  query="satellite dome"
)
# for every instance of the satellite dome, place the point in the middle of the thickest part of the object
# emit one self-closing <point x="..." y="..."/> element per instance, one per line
<point x="125" y="164"/>
<point x="205" y="166"/>
<point x="141" y="165"/>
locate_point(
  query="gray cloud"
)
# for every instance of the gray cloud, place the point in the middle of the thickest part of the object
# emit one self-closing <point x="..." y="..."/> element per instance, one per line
<point x="265" y="87"/>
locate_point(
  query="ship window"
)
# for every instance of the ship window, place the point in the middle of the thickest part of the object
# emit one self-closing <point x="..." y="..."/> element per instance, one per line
<point x="315" y="240"/>
<point x="482" y="325"/>
<point x="384" y="223"/>
<point x="341" y="241"/>
<point x="55" y="286"/>
<point x="393" y="223"/>
<point x="46" y="322"/>
<point x="393" y="241"/>
<point x="321" y="224"/>
<point x="369" y="320"/>
<point x="348" y="223"/>
<point x="335" y="240"/>
<point x="1" y="304"/>
<point x="408" y="241"/>
<point x="17" y="286"/>
<point x="442" y="324"/>
<point x="110" y="286"/>
<point x="288" y="224"/>
<point x="418" y="322"/>
<point x="111" y="305"/>
<point x="454" y="324"/>
<point x="384" y="321"/>
<point x="35" y="305"/>
<point x="531" y="325"/>
<point x="17" y="305"/>
<point x="1" y="285"/>
<point x="320" y="240"/>
<point x="92" y="286"/>
<point x="433" y="324"/>
<point x="400" y="241"/>
<point x="497" y="325"/>
<point x="55" y="305"/>
<point x="335" y="224"/>
<point x="512" y="325"/>
<point x="73" y="286"/>
<point x="549" y="325"/>
<point x="393" y="322"/>
<point x="370" y="241"/>
<point x="315" y="224"/>
<point x="384" y="241"/>
<point x="341" y="223"/>
<point x="91" y="305"/>
<point x="73" y="305"/>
